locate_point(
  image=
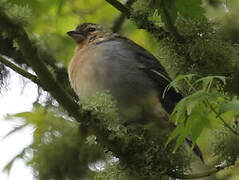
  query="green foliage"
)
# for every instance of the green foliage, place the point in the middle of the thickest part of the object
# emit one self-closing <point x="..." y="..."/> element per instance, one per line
<point x="145" y="156"/>
<point x="142" y="11"/>
<point x="228" y="106"/>
<point x="194" y="113"/>
<point x="226" y="145"/>
<point x="103" y="106"/>
<point x="230" y="27"/>
<point x="57" y="150"/>
<point x="171" y="9"/>
<point x="204" y="52"/>
<point x="8" y="167"/>
<point x="191" y="116"/>
<point x="135" y="143"/>
<point x="111" y="172"/>
<point x="18" y="14"/>
<point x="190" y="8"/>
<point x="141" y="7"/>
<point x="214" y="3"/>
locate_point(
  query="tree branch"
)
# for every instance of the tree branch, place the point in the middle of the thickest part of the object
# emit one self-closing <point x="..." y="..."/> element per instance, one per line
<point x="120" y="20"/>
<point x="120" y="7"/>
<point x="150" y="26"/>
<point x="223" y="121"/>
<point x="32" y="57"/>
<point x="19" y="70"/>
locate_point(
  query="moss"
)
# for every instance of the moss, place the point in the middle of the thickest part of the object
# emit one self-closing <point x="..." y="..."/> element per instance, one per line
<point x="19" y="14"/>
<point x="58" y="151"/>
<point x="141" y="149"/>
<point x="226" y="145"/>
<point x="147" y="156"/>
<point x="104" y="108"/>
<point x="204" y="52"/>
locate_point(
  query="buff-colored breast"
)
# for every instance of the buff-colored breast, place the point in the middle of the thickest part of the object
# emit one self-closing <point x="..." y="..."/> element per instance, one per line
<point x="110" y="66"/>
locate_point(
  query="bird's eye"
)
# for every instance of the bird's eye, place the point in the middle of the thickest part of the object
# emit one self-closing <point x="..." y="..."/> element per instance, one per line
<point x="91" y="29"/>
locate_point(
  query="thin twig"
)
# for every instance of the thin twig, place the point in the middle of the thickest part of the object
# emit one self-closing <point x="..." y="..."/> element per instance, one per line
<point x="19" y="70"/>
<point x="207" y="103"/>
<point x="120" y="20"/>
<point x="120" y="7"/>
<point x="223" y="121"/>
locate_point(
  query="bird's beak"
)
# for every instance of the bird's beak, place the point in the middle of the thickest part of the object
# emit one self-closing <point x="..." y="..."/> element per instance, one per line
<point x="76" y="35"/>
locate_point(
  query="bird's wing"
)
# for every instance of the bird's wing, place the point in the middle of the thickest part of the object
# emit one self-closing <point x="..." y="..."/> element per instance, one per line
<point x="155" y="71"/>
<point x="152" y="68"/>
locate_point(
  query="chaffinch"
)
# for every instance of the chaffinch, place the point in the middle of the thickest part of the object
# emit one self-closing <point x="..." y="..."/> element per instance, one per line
<point x="107" y="61"/>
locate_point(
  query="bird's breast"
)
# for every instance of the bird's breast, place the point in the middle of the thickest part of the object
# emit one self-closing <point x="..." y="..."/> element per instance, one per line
<point x="99" y="69"/>
<point x="82" y="75"/>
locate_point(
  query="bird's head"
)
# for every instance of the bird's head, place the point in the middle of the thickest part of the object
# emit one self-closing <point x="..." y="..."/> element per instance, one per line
<point x="87" y="31"/>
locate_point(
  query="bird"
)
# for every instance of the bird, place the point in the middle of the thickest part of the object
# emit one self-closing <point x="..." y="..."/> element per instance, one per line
<point x="107" y="61"/>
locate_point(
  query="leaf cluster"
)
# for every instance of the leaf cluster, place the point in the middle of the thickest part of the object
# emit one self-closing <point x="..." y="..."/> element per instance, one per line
<point x="196" y="112"/>
<point x="57" y="150"/>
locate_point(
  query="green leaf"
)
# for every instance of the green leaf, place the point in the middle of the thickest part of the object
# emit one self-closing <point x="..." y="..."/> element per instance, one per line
<point x="200" y="124"/>
<point x="187" y="104"/>
<point x="193" y="127"/>
<point x="228" y="106"/>
<point x="8" y="167"/>
<point x="174" y="134"/>
<point x="175" y="82"/>
<point x="16" y="129"/>
<point x="190" y="8"/>
<point x="36" y="117"/>
<point x="179" y="111"/>
<point x="207" y="81"/>
<point x="191" y="117"/>
<point x="198" y="121"/>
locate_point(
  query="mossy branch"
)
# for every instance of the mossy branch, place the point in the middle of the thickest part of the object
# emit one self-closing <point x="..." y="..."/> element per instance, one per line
<point x="33" y="58"/>
<point x="144" y="23"/>
<point x="19" y="70"/>
<point x="120" y="7"/>
<point x="50" y="84"/>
